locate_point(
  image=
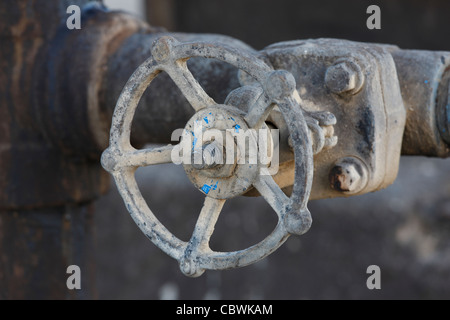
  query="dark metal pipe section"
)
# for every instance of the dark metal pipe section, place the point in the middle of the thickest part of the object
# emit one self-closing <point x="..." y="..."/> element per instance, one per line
<point x="424" y="82"/>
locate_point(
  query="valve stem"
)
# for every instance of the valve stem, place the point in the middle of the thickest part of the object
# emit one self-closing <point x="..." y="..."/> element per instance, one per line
<point x="211" y="156"/>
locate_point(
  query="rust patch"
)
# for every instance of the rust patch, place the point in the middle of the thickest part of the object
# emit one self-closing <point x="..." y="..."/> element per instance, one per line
<point x="337" y="179"/>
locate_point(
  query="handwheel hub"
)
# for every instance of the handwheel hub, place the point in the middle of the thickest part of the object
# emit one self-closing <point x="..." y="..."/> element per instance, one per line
<point x="222" y="152"/>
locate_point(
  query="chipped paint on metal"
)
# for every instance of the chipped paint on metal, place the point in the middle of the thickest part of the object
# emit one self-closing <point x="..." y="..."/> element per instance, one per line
<point x="121" y="160"/>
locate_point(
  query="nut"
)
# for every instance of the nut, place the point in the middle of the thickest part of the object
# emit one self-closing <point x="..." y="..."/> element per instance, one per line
<point x="349" y="175"/>
<point x="211" y="156"/>
<point x="345" y="77"/>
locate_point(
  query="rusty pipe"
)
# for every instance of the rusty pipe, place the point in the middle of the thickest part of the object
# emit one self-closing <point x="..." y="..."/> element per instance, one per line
<point x="60" y="91"/>
<point x="424" y="83"/>
<point x="90" y="68"/>
<point x="45" y="222"/>
<point x="34" y="171"/>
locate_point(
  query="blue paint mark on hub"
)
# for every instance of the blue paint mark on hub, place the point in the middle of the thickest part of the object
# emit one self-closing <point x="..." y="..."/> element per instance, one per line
<point x="206" y="120"/>
<point x="236" y="128"/>
<point x="207" y="188"/>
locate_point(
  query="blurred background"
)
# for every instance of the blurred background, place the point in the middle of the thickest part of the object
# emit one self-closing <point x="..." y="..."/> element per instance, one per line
<point x="404" y="229"/>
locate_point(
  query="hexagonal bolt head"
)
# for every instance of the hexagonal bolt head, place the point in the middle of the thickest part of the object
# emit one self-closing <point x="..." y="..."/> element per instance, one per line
<point x="344" y="77"/>
<point x="349" y="175"/>
<point x="211" y="156"/>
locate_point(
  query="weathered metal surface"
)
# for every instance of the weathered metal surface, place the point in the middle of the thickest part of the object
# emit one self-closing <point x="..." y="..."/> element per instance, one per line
<point x="349" y="175"/>
<point x="154" y="120"/>
<point x="344" y="77"/>
<point x="43" y="226"/>
<point x="59" y="89"/>
<point x="357" y="83"/>
<point x="233" y="178"/>
<point x="68" y="95"/>
<point x="423" y="77"/>
<point x="121" y="159"/>
<point x="443" y="107"/>
<point x="35" y="172"/>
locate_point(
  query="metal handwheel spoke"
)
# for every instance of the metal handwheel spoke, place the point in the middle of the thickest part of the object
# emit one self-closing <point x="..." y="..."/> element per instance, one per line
<point x="259" y="111"/>
<point x="148" y="157"/>
<point x="272" y="193"/>
<point x="189" y="86"/>
<point x="199" y="243"/>
<point x="205" y="224"/>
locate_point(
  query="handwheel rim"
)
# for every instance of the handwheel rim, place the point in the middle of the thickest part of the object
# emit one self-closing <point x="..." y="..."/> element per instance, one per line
<point x="120" y="146"/>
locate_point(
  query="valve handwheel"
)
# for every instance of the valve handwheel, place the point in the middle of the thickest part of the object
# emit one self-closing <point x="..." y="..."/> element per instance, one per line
<point x="122" y="160"/>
